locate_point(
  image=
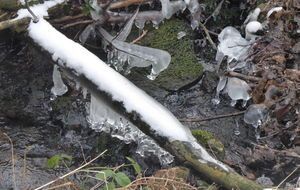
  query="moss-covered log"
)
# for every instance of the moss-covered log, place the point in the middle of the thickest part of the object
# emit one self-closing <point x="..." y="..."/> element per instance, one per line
<point x="10" y="4"/>
<point x="229" y="180"/>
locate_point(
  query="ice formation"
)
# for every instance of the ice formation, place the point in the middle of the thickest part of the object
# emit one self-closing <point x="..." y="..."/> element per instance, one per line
<point x="103" y="118"/>
<point x="256" y="114"/>
<point x="181" y="35"/>
<point x="275" y="9"/>
<point x="252" y="28"/>
<point x="221" y="85"/>
<point x="80" y="60"/>
<point x="135" y="56"/>
<point x="168" y="8"/>
<point x="237" y="89"/>
<point x="253" y="16"/>
<point x="59" y="87"/>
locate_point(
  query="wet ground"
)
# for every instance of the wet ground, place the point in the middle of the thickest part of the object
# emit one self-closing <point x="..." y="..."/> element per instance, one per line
<point x="40" y="128"/>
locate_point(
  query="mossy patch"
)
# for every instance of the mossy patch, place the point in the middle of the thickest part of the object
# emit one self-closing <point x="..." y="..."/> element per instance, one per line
<point x="184" y="67"/>
<point x="208" y="140"/>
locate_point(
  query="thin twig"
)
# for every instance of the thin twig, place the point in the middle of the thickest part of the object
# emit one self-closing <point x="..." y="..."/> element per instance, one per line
<point x="211" y="118"/>
<point x="12" y="160"/>
<point x="67" y="18"/>
<point x="140" y="37"/>
<point x="72" y="172"/>
<point x="287" y="177"/>
<point x="3" y="15"/>
<point x="77" y="23"/>
<point x="208" y="36"/>
<point x="216" y="12"/>
<point x="126" y="3"/>
<point x="244" y="77"/>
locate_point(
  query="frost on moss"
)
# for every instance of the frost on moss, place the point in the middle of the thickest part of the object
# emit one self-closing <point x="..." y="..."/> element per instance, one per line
<point x="184" y="67"/>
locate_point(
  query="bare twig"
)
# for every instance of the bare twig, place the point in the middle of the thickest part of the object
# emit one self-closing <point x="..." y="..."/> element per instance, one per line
<point x="35" y="18"/>
<point x="208" y="36"/>
<point x="126" y="3"/>
<point x="212" y="118"/>
<point x="67" y="18"/>
<point x="72" y="172"/>
<point x="244" y="77"/>
<point x="140" y="37"/>
<point x="12" y="160"/>
<point x="216" y="12"/>
<point x="3" y="15"/>
<point x="77" y="23"/>
<point x="287" y="177"/>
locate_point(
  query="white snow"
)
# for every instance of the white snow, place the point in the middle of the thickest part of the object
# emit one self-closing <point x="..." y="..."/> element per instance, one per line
<point x="275" y="9"/>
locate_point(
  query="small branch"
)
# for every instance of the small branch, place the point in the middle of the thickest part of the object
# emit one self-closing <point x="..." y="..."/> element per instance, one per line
<point x="208" y="36"/>
<point x="2" y="16"/>
<point x="14" y="23"/>
<point x="140" y="37"/>
<point x="126" y="3"/>
<point x="77" y="23"/>
<point x="244" y="77"/>
<point x="35" y="18"/>
<point x="67" y="18"/>
<point x="72" y="172"/>
<point x="287" y="177"/>
<point x="216" y="12"/>
<point x="212" y="118"/>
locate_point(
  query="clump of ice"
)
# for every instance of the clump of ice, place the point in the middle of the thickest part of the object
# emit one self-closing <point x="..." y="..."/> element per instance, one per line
<point x="256" y="114"/>
<point x="181" y="34"/>
<point x="252" y="28"/>
<point x="237" y="89"/>
<point x="232" y="44"/>
<point x="59" y="87"/>
<point x="103" y="118"/>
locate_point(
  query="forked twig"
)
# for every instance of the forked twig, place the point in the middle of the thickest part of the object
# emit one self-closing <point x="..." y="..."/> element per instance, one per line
<point x="211" y="118"/>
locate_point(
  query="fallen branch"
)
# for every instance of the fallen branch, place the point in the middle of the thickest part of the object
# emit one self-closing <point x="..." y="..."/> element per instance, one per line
<point x="140" y="37"/>
<point x="126" y="3"/>
<point x="77" y="23"/>
<point x="212" y="118"/>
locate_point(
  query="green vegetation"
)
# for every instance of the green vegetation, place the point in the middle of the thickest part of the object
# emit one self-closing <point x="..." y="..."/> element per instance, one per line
<point x="184" y="67"/>
<point x="207" y="139"/>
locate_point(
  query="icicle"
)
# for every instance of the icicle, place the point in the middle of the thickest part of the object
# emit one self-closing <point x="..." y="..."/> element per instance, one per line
<point x="59" y="87"/>
<point x="122" y="36"/>
<point x="220" y="87"/>
<point x="252" y="16"/>
<point x="103" y="118"/>
<point x="87" y="32"/>
<point x="252" y="28"/>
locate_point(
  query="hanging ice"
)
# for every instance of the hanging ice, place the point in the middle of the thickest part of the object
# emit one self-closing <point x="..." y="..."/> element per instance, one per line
<point x="136" y="56"/>
<point x="220" y="87"/>
<point x="103" y="118"/>
<point x="256" y="114"/>
<point x="237" y="89"/>
<point x="59" y="87"/>
<point x="169" y="8"/>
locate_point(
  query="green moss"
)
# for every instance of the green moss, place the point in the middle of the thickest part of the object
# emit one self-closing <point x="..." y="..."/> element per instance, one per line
<point x="184" y="66"/>
<point x="208" y="140"/>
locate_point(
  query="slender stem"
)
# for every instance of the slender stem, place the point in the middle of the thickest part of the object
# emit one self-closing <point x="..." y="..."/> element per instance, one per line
<point x="35" y="18"/>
